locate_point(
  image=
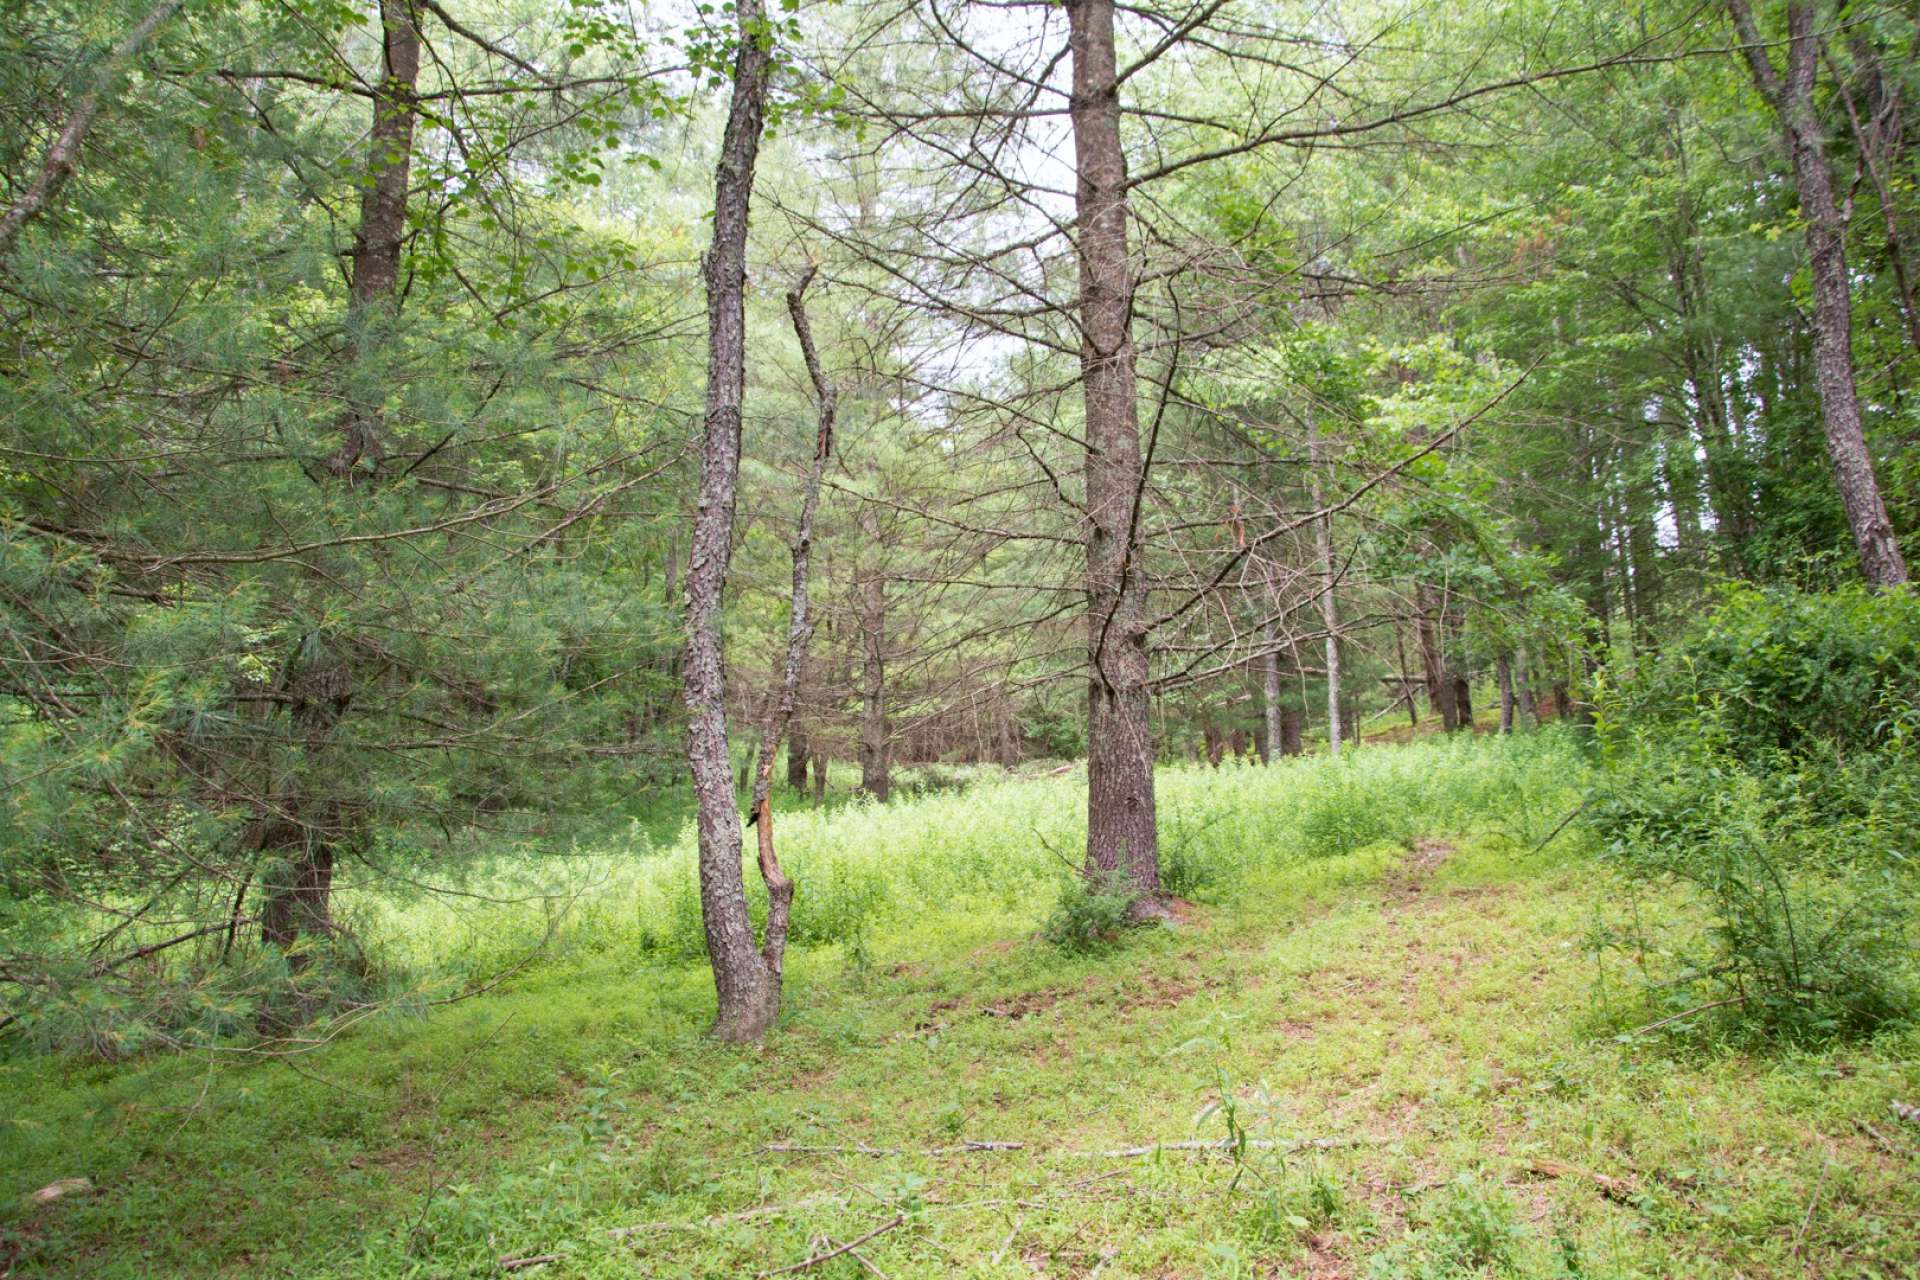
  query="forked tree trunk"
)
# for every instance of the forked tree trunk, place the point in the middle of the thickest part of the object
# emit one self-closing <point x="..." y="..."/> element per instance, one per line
<point x="780" y="889"/>
<point x="748" y="989"/>
<point x="1121" y="832"/>
<point x="1792" y="99"/>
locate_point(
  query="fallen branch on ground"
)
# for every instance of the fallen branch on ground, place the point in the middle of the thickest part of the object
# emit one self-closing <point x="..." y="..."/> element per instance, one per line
<point x="835" y="1252"/>
<point x="1688" y="1013"/>
<point x="861" y="1149"/>
<point x="533" y="1260"/>
<point x="745" y="1215"/>
<point x="1229" y="1144"/>
<point x="1618" y="1190"/>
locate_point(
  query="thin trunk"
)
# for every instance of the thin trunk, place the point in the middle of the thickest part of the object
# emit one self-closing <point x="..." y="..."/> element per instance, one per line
<point x="747" y="989"/>
<point x="1406" y="678"/>
<point x="773" y="946"/>
<point x="1528" y="700"/>
<point x="1503" y="666"/>
<point x="819" y="778"/>
<point x="1270" y="698"/>
<point x="1121" y="831"/>
<point x="63" y="155"/>
<point x="1329" y="602"/>
<point x="1792" y="99"/>
<point x="876" y="775"/>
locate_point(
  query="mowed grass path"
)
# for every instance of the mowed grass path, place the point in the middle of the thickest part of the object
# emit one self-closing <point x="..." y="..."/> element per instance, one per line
<point x="1416" y="1045"/>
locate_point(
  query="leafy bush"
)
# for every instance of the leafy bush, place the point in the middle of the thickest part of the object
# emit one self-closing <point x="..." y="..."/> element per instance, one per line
<point x="1765" y="766"/>
<point x="1091" y="911"/>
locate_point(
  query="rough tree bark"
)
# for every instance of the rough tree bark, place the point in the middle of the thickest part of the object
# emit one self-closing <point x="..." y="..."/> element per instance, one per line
<point x="1121" y="832"/>
<point x="63" y="154"/>
<point x="1440" y="690"/>
<point x="382" y="231"/>
<point x="797" y="749"/>
<point x="299" y="903"/>
<point x="773" y="945"/>
<point x="748" y="991"/>
<point x="1792" y="100"/>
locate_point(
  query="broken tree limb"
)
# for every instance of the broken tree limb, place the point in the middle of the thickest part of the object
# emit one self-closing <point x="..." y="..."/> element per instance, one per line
<point x="818" y="1258"/>
<point x="1228" y="1144"/>
<point x="1618" y="1190"/>
<point x="861" y="1149"/>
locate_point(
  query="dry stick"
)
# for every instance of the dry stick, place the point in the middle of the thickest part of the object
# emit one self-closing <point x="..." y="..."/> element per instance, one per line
<point x="835" y="1252"/>
<point x="1699" y="1008"/>
<point x="866" y="1262"/>
<point x="1800" y="1235"/>
<point x="1228" y="1144"/>
<point x="861" y="1149"/>
<point x="536" y="1260"/>
<point x="1619" y="1190"/>
<point x="745" y="1215"/>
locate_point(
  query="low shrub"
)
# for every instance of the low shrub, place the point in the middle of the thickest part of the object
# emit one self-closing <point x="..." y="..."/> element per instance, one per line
<point x="1764" y="766"/>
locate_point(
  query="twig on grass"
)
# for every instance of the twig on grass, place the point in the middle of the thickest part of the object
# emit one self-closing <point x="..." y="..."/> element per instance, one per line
<point x="861" y="1149"/>
<point x="1799" y="1236"/>
<point x="533" y="1260"/>
<point x="1688" y="1013"/>
<point x="1228" y="1144"/>
<point x="818" y="1258"/>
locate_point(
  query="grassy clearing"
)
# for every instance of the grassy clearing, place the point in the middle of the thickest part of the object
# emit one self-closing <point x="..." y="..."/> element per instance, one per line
<point x="1378" y="963"/>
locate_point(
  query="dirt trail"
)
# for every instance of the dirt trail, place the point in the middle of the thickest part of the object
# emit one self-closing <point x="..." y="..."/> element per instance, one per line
<point x="1409" y="879"/>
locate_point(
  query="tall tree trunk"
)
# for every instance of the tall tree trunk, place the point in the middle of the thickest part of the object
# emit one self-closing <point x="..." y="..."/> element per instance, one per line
<point x="1121" y="831"/>
<point x="1792" y="99"/>
<point x="876" y="774"/>
<point x="1440" y="692"/>
<point x="382" y="232"/>
<point x="1503" y="666"/>
<point x="1406" y="678"/>
<point x="1291" y="724"/>
<point x="1329" y="601"/>
<point x="748" y="990"/>
<point x="780" y="889"/>
<point x="797" y="746"/>
<point x="300" y="902"/>
<point x="1270" y="698"/>
<point x="1528" y="699"/>
<point x="63" y="154"/>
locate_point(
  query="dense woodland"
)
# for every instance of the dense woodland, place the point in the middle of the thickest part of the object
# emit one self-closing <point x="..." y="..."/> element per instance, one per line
<point x="490" y="484"/>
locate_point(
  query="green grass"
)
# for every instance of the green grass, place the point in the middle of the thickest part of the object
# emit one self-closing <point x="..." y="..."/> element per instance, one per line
<point x="1379" y="962"/>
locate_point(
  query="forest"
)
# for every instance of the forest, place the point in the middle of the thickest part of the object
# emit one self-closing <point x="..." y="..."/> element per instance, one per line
<point x="919" y="638"/>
